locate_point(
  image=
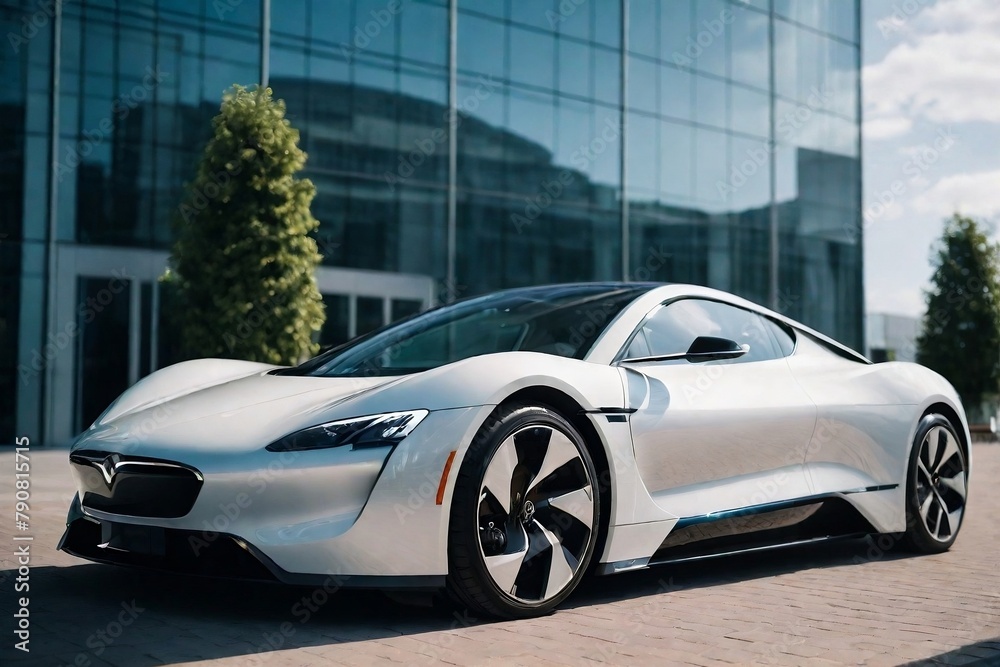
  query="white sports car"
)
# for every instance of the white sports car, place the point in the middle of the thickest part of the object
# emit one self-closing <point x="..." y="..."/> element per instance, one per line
<point x="501" y="447"/>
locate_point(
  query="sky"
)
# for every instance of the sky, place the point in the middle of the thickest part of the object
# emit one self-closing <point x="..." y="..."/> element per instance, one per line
<point x="931" y="135"/>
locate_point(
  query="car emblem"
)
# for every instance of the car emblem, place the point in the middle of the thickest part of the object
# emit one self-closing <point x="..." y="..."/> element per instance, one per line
<point x="527" y="511"/>
<point x="109" y="468"/>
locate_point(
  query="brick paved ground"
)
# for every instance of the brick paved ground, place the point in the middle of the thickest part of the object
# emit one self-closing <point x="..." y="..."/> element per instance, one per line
<point x="802" y="606"/>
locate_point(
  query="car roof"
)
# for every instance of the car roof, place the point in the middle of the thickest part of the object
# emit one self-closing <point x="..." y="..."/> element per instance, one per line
<point x="620" y="329"/>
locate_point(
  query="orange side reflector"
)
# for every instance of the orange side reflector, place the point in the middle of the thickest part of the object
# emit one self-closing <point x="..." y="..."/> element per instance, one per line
<point x="444" y="477"/>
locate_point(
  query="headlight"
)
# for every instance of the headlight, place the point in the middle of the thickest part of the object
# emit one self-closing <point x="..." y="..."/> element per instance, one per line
<point x="359" y="432"/>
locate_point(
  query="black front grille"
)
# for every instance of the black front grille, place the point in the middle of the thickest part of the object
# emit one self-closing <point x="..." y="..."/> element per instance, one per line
<point x="135" y="485"/>
<point x="183" y="551"/>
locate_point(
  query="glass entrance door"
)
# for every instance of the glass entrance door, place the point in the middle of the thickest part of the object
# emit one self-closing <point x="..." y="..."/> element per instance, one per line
<point x="102" y="358"/>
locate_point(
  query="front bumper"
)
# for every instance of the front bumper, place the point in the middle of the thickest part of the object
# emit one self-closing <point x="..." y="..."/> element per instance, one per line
<point x="188" y="552"/>
<point x="368" y="518"/>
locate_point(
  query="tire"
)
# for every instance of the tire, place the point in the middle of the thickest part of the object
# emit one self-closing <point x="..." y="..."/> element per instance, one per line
<point x="524" y="516"/>
<point x="936" y="487"/>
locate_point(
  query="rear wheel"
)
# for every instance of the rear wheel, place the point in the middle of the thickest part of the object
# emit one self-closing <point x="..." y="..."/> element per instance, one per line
<point x="936" y="487"/>
<point x="524" y="516"/>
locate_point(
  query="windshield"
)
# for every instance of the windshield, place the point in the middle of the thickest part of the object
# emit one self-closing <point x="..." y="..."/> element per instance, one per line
<point x="563" y="320"/>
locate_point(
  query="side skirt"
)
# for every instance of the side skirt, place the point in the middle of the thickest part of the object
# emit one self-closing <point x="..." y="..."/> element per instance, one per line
<point x="762" y="527"/>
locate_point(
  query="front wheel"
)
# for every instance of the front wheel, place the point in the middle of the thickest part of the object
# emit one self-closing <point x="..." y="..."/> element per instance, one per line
<point x="524" y="517"/>
<point x="936" y="487"/>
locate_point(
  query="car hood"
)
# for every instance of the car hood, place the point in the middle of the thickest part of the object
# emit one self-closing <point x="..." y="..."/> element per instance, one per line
<point x="222" y="406"/>
<point x="241" y="414"/>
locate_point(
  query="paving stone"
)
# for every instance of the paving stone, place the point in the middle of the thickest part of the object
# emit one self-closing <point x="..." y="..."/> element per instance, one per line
<point x="793" y="607"/>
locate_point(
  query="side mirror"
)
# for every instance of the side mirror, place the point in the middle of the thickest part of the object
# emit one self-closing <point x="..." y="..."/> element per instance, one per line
<point x="710" y="348"/>
<point x="704" y="348"/>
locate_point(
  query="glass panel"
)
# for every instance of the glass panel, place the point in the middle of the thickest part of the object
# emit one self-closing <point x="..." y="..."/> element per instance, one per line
<point x="643" y="156"/>
<point x="544" y="319"/>
<point x="676" y="93"/>
<point x="799" y="58"/>
<point x="676" y="160"/>
<point x="481" y="45"/>
<point x="537" y="13"/>
<point x="102" y="356"/>
<point x="574" y="19"/>
<point x="532" y="116"/>
<point x="574" y="68"/>
<point x="749" y="49"/>
<point x="497" y="8"/>
<point x="337" y="325"/>
<point x="604" y="153"/>
<point x="839" y="75"/>
<point x="748" y="183"/>
<point x="11" y="380"/>
<point x="146" y="323"/>
<point x="607" y="76"/>
<point x="673" y="328"/>
<point x="784" y="336"/>
<point x="843" y="19"/>
<point x="675" y="31"/>
<point x="532" y="57"/>
<point x="642" y="85"/>
<point x="333" y="23"/>
<point x="608" y="23"/>
<point x="13" y="166"/>
<point x="710" y="101"/>
<point x="510" y="242"/>
<point x="749" y="111"/>
<point x="378" y="24"/>
<point x="168" y="337"/>
<point x="643" y="20"/>
<point x="668" y="245"/>
<point x="712" y="25"/>
<point x="369" y="314"/>
<point x="424" y="33"/>
<point x="405" y="307"/>
<point x="711" y="163"/>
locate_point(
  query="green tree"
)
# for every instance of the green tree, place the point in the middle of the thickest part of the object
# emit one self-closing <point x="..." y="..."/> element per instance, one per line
<point x="961" y="329"/>
<point x="243" y="263"/>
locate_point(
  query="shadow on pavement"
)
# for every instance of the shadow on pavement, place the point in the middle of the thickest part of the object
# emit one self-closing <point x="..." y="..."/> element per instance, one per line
<point x="728" y="569"/>
<point x="981" y="654"/>
<point x="96" y="615"/>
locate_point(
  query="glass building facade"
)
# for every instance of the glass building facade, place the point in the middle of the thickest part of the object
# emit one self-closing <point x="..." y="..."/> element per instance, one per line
<point x="458" y="146"/>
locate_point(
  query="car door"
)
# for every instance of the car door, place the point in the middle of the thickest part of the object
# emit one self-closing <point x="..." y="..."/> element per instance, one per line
<point x="716" y="435"/>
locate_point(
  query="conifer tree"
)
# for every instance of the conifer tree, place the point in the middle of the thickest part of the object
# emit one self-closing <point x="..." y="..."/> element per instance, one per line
<point x="243" y="263"/>
<point x="961" y="329"/>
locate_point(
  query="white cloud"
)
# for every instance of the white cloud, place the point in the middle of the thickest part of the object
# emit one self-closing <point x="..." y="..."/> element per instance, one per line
<point x="886" y="128"/>
<point x="904" y="301"/>
<point x="975" y="194"/>
<point x="945" y="70"/>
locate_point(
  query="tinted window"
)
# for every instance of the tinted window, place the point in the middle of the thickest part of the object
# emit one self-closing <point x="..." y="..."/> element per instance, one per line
<point x="783" y="336"/>
<point x="672" y="328"/>
<point x="560" y="320"/>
